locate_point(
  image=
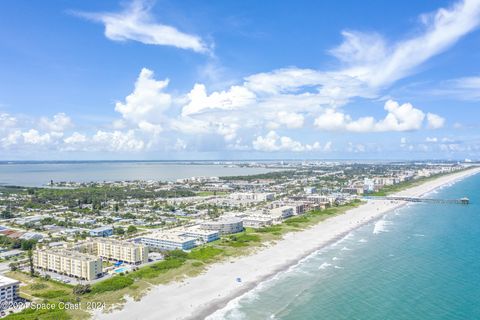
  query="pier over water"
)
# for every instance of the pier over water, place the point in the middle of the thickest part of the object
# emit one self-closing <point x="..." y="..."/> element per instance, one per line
<point x="417" y="199"/>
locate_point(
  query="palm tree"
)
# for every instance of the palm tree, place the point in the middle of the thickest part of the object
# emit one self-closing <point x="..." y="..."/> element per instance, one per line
<point x="30" y="262"/>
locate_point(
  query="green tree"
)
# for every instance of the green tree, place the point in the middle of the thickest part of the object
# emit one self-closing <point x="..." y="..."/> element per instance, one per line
<point x="6" y="214"/>
<point x="13" y="266"/>
<point x="131" y="229"/>
<point x="119" y="231"/>
<point x="27" y="244"/>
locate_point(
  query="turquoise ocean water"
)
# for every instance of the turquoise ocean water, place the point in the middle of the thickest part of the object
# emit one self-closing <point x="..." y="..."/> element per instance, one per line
<point x="421" y="261"/>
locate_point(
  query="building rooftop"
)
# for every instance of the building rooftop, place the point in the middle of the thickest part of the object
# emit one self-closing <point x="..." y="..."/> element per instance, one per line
<point x="258" y="218"/>
<point x="70" y="253"/>
<point x="225" y="220"/>
<point x="168" y="236"/>
<point x="5" y="281"/>
<point x="117" y="242"/>
<point x="195" y="229"/>
<point x="100" y="229"/>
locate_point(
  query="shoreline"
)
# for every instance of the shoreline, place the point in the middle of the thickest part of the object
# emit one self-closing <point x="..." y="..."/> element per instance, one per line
<point x="192" y="298"/>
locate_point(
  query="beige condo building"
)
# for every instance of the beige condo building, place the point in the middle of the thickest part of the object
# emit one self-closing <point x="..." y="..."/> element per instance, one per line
<point x="117" y="250"/>
<point x="68" y="262"/>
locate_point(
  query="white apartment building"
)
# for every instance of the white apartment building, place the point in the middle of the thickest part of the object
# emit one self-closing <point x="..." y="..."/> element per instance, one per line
<point x="224" y="226"/>
<point x="281" y="213"/>
<point x="167" y="241"/>
<point x="257" y="221"/>
<point x="8" y="291"/>
<point x="201" y="235"/>
<point x="252" y="196"/>
<point x="68" y="262"/>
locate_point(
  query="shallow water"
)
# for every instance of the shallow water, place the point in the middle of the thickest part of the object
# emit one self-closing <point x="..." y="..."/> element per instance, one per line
<point x="421" y="261"/>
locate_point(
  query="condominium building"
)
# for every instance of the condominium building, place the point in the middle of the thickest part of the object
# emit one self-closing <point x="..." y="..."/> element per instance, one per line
<point x="201" y="235"/>
<point x="68" y="262"/>
<point x="167" y="241"/>
<point x="8" y="291"/>
<point x="252" y="196"/>
<point x="297" y="206"/>
<point x="117" y="250"/>
<point x="281" y="212"/>
<point x="258" y="221"/>
<point x="224" y="226"/>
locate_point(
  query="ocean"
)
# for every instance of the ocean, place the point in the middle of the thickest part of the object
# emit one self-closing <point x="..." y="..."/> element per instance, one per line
<point x="40" y="173"/>
<point x="421" y="261"/>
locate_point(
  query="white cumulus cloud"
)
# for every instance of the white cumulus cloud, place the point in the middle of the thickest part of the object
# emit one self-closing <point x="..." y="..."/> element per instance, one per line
<point x="274" y="142"/>
<point x="236" y="97"/>
<point x="59" y="122"/>
<point x="118" y="141"/>
<point x="402" y="117"/>
<point x="435" y="121"/>
<point x="147" y="102"/>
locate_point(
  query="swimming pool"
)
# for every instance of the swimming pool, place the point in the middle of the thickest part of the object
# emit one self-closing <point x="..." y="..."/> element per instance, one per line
<point x="120" y="270"/>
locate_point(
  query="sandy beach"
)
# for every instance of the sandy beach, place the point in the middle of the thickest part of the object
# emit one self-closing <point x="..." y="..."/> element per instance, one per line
<point x="198" y="297"/>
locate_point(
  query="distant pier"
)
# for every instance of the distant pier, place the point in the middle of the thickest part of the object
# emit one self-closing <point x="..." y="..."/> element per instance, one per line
<point x="416" y="199"/>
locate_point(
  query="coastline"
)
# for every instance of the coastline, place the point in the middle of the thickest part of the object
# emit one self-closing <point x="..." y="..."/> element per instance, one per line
<point x="200" y="296"/>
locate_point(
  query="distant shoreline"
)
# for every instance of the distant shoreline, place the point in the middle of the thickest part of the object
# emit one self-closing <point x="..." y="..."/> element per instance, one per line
<point x="39" y="174"/>
<point x="193" y="299"/>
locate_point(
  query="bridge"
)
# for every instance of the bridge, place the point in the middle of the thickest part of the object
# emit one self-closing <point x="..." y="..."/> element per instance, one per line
<point x="417" y="199"/>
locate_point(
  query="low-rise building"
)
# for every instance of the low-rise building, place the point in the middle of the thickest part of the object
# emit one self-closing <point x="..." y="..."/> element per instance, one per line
<point x="31" y="236"/>
<point x="224" y="226"/>
<point x="310" y="190"/>
<point x="105" y="231"/>
<point x="68" y="262"/>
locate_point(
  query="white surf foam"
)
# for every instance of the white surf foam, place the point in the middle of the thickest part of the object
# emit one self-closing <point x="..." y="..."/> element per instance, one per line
<point x="381" y="226"/>
<point x="324" y="265"/>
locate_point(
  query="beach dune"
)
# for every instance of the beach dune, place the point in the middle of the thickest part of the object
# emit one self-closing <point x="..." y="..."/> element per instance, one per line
<point x="200" y="296"/>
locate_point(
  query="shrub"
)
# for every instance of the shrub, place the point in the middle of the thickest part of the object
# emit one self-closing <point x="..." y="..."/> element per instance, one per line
<point x="176" y="254"/>
<point x="242" y="240"/>
<point x="271" y="229"/>
<point x="80" y="289"/>
<point x="38" y="286"/>
<point x="157" y="268"/>
<point x="112" y="284"/>
<point x="205" y="253"/>
<point x="296" y="220"/>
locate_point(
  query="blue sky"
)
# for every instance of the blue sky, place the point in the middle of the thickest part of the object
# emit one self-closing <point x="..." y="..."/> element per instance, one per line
<point x="239" y="80"/>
